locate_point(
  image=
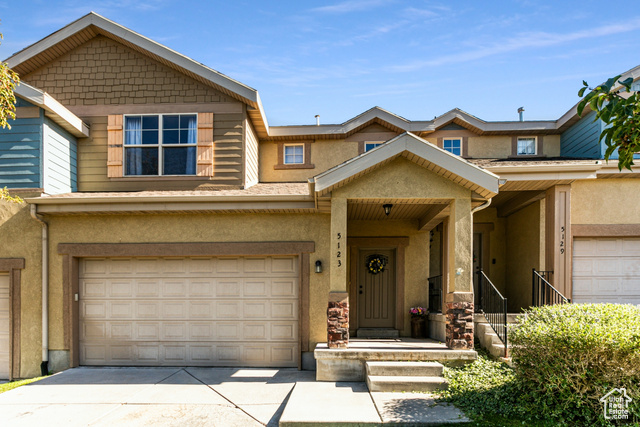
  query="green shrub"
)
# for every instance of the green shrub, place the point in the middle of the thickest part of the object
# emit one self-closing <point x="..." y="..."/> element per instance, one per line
<point x="571" y="355"/>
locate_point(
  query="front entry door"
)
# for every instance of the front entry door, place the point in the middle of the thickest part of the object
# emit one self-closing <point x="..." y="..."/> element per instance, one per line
<point x="376" y="288"/>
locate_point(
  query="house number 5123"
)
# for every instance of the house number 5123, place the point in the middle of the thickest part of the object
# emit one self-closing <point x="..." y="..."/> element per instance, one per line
<point x="339" y="251"/>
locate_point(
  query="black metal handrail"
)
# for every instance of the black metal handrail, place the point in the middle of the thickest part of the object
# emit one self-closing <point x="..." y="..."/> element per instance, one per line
<point x="435" y="294"/>
<point x="494" y="308"/>
<point x="543" y="292"/>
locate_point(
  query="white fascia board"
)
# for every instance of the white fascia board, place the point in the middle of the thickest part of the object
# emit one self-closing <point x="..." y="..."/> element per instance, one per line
<point x="501" y="170"/>
<point x="612" y="168"/>
<point x="550" y="176"/>
<point x="49" y="200"/>
<point x="171" y="206"/>
<point x="139" y="40"/>
<point x="417" y="146"/>
<point x="59" y="113"/>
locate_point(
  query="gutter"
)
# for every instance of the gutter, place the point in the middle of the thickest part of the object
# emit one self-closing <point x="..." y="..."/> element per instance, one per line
<point x="44" y="366"/>
<point x="52" y="200"/>
<point x="541" y="168"/>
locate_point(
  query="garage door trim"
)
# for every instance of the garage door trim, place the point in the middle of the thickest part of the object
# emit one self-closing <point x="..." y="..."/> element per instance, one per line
<point x="14" y="267"/>
<point x="72" y="252"/>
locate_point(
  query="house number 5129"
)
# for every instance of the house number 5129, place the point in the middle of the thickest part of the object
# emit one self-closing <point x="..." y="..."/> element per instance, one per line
<point x="339" y="251"/>
<point x="562" y="240"/>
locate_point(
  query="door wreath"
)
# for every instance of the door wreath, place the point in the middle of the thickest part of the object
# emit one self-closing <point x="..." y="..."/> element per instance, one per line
<point x="376" y="264"/>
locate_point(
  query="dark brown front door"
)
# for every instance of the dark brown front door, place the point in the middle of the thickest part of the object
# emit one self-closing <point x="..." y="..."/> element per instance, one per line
<point x="376" y="288"/>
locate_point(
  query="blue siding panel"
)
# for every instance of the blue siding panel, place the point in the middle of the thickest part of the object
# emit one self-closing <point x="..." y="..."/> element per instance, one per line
<point x="582" y="139"/>
<point x="20" y="152"/>
<point x="60" y="159"/>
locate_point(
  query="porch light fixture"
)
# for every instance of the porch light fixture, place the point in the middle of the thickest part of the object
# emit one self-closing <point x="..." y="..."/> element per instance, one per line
<point x="318" y="266"/>
<point x="387" y="208"/>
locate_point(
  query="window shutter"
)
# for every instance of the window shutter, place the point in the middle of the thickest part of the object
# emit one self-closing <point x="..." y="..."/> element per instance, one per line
<point x="114" y="144"/>
<point x="205" y="144"/>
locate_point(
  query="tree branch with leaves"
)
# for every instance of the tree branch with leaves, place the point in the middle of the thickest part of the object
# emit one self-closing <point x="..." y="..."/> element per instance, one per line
<point x="619" y="108"/>
<point x="5" y="195"/>
<point x="8" y="81"/>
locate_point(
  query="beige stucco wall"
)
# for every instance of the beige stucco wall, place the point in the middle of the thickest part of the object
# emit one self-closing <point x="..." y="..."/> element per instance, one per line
<point x="194" y="228"/>
<point x="605" y="201"/>
<point x="497" y="246"/>
<point x="325" y="154"/>
<point x="551" y="145"/>
<point x="490" y="147"/>
<point x="525" y="251"/>
<point x="20" y="237"/>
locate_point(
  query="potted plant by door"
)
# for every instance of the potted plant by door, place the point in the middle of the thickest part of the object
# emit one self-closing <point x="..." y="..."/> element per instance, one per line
<point x="418" y="322"/>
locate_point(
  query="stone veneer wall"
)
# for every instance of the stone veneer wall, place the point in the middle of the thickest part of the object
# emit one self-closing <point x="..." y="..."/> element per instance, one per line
<point x="460" y="325"/>
<point x="338" y="324"/>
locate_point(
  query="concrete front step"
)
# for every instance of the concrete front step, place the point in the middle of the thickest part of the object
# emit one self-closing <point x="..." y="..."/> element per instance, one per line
<point x="404" y="369"/>
<point x="348" y="364"/>
<point x="377" y="333"/>
<point x="404" y="383"/>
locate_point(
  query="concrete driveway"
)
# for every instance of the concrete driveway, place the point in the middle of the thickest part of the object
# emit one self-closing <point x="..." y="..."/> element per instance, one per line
<point x="153" y="396"/>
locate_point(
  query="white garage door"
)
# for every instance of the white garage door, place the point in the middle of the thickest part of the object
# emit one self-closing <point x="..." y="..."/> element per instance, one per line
<point x="4" y="326"/>
<point x="231" y="311"/>
<point x="606" y="270"/>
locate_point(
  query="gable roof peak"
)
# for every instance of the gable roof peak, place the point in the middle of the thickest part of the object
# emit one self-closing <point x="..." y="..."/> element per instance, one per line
<point x="93" y="24"/>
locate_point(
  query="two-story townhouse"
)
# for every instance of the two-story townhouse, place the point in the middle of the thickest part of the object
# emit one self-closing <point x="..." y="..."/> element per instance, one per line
<point x="196" y="234"/>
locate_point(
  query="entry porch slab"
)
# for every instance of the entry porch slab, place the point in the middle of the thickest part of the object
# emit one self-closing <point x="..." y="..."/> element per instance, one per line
<point x="348" y="364"/>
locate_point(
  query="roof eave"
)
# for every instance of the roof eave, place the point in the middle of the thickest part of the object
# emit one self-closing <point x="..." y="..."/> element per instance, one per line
<point x="53" y="109"/>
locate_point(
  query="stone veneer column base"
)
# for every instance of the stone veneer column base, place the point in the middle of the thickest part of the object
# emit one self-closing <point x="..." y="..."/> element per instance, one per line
<point x="459" y="325"/>
<point x="338" y="320"/>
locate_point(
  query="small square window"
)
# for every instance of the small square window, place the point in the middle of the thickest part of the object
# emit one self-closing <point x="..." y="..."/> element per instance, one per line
<point x="452" y="145"/>
<point x="368" y="146"/>
<point x="294" y="154"/>
<point x="526" y="146"/>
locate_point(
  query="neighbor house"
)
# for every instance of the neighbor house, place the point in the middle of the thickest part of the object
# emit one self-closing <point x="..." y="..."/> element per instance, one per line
<point x="167" y="223"/>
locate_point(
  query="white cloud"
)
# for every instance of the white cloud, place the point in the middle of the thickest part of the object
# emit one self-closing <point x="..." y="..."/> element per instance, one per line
<point x="520" y="42"/>
<point x="350" y="6"/>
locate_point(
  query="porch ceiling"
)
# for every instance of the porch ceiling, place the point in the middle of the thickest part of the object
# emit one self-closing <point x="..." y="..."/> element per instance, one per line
<point x="428" y="213"/>
<point x="508" y="202"/>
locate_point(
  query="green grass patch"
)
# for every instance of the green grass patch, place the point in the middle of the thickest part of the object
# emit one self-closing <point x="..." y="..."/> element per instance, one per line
<point x="15" y="384"/>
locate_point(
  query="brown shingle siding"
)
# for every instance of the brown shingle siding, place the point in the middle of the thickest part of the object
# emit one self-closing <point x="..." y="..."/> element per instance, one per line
<point x="107" y="72"/>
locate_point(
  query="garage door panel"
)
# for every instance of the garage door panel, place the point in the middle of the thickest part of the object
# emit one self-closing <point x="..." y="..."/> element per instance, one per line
<point x="229" y="311"/>
<point x="631" y="246"/>
<point x="631" y="266"/>
<point x="606" y="270"/>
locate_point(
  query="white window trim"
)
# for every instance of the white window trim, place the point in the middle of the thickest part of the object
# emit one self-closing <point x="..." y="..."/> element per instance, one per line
<point x="450" y="138"/>
<point x="535" y="145"/>
<point x="159" y="145"/>
<point x="376" y="143"/>
<point x="284" y="154"/>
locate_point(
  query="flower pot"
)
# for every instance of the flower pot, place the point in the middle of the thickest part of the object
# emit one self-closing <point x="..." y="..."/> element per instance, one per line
<point x="418" y="327"/>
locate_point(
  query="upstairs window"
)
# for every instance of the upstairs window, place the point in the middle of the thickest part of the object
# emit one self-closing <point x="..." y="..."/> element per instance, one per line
<point x="160" y="145"/>
<point x="368" y="146"/>
<point x="526" y="146"/>
<point x="452" y="145"/>
<point x="294" y="154"/>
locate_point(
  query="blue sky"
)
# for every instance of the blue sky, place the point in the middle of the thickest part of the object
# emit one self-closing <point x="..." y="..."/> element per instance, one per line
<point x="417" y="59"/>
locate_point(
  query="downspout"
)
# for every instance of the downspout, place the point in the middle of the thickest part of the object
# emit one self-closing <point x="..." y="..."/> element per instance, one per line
<point x="44" y="366"/>
<point x="482" y="206"/>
